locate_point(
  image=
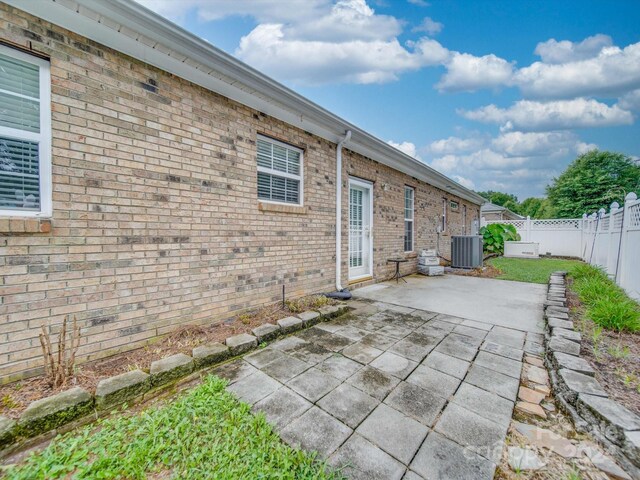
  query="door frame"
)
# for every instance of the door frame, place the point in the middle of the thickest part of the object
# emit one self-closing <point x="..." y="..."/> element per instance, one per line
<point x="367" y="185"/>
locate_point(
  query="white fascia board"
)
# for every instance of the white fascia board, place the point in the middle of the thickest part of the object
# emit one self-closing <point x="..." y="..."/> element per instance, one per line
<point x="223" y="74"/>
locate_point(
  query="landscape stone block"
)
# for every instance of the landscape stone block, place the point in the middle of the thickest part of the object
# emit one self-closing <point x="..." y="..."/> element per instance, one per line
<point x="266" y="332"/>
<point x="121" y="388"/>
<point x="242" y="343"/>
<point x="559" y="323"/>
<point x="330" y="311"/>
<point x="171" y="368"/>
<point x="51" y="412"/>
<point x="558" y="315"/>
<point x="631" y="446"/>
<point x="563" y="345"/>
<point x="573" y="383"/>
<point x="554" y="308"/>
<point x="565" y="333"/>
<point x="578" y="364"/>
<point x="310" y="318"/>
<point x="290" y="324"/>
<point x="7" y="431"/>
<point x="210" y="354"/>
<point x="612" y="417"/>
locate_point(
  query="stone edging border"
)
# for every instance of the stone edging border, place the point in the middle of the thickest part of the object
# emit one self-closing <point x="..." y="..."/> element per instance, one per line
<point x="45" y="418"/>
<point x="576" y="388"/>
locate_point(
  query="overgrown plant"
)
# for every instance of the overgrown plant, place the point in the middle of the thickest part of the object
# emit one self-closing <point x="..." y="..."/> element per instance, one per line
<point x="606" y="303"/>
<point x="59" y="365"/>
<point x="495" y="234"/>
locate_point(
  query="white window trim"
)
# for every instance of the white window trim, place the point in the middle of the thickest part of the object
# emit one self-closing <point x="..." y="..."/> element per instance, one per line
<point x="444" y="215"/>
<point x="43" y="138"/>
<point x="278" y="173"/>
<point x="412" y="219"/>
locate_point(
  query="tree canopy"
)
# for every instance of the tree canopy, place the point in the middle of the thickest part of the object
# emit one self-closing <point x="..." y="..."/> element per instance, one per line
<point x="592" y="181"/>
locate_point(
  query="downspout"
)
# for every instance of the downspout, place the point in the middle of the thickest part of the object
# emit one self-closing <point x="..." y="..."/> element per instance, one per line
<point x="346" y="138"/>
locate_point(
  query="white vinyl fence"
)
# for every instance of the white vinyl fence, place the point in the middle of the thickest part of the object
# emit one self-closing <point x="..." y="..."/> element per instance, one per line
<point x="609" y="240"/>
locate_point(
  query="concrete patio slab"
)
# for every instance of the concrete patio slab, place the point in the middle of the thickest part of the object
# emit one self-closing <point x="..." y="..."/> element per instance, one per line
<point x="359" y="459"/>
<point x="397" y="434"/>
<point x="416" y="402"/>
<point x="470" y="430"/>
<point x="316" y="431"/>
<point x="497" y="302"/>
<point x="442" y="459"/>
<point x="313" y="384"/>
<point x="390" y="391"/>
<point x="282" y="407"/>
<point x="348" y="404"/>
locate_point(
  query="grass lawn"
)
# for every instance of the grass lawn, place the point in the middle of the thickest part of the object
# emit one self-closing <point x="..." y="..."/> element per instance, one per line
<point x="204" y="433"/>
<point x="529" y="269"/>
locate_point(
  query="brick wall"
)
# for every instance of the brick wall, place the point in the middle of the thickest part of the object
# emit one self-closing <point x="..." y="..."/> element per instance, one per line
<point x="156" y="221"/>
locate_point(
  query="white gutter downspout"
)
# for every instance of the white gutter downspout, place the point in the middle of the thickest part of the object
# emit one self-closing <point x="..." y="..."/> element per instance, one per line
<point x="346" y="138"/>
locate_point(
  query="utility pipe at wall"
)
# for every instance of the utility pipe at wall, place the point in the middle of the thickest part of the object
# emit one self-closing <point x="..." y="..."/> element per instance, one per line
<point x="346" y="138"/>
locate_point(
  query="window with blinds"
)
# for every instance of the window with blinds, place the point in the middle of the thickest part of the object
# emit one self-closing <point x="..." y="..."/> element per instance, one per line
<point x="279" y="172"/>
<point x="409" y="193"/>
<point x="25" y="134"/>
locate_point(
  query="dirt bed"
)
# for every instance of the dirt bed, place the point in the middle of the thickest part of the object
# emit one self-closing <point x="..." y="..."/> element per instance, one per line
<point x="15" y="397"/>
<point x="614" y="356"/>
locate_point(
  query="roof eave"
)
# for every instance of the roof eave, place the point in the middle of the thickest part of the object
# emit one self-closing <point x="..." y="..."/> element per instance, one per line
<point x="233" y="78"/>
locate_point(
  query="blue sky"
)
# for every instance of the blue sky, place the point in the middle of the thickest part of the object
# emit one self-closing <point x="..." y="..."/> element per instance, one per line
<point x="498" y="94"/>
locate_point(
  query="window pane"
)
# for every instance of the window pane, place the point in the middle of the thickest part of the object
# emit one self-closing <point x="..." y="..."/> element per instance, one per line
<point x="408" y="236"/>
<point x="264" y="154"/>
<point x="19" y="175"/>
<point x="19" y="77"/>
<point x="278" y="189"/>
<point x="20" y="113"/>
<point x="293" y="166"/>
<point x="279" y="158"/>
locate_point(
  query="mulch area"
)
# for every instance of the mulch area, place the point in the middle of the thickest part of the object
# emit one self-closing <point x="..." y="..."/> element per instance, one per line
<point x="15" y="397"/>
<point x="487" y="271"/>
<point x="615" y="356"/>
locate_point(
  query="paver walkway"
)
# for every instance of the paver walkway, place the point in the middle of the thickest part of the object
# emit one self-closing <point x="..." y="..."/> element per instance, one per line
<point x="390" y="392"/>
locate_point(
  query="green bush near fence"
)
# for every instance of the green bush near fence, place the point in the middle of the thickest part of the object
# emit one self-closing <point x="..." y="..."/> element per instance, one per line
<point x="606" y="303"/>
<point x="495" y="234"/>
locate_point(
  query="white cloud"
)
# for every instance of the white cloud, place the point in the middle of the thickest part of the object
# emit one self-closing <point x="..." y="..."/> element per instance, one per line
<point x="348" y="43"/>
<point x="469" y="73"/>
<point x="612" y="72"/>
<point x="429" y="26"/>
<point x="420" y="3"/>
<point x="268" y="49"/>
<point x="465" y="182"/>
<point x="454" y="145"/>
<point x="535" y="144"/>
<point x="630" y="101"/>
<point x="562" y="114"/>
<point x="553" y="51"/>
<point x="406" y="147"/>
<point x="522" y="162"/>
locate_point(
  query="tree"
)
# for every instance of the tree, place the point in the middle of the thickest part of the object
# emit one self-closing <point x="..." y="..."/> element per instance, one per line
<point x="500" y="198"/>
<point x="592" y="181"/>
<point x="536" y="208"/>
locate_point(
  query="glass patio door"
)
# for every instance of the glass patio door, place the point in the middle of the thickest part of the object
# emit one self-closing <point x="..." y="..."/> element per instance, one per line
<point x="360" y="239"/>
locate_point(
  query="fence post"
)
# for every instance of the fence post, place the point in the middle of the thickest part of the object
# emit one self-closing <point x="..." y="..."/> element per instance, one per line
<point x="583" y="235"/>
<point x="622" y="266"/>
<point x="611" y="245"/>
<point x="528" y="229"/>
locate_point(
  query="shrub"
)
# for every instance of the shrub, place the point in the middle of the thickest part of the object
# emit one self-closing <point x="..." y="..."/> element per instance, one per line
<point x="495" y="234"/>
<point x="606" y="303"/>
